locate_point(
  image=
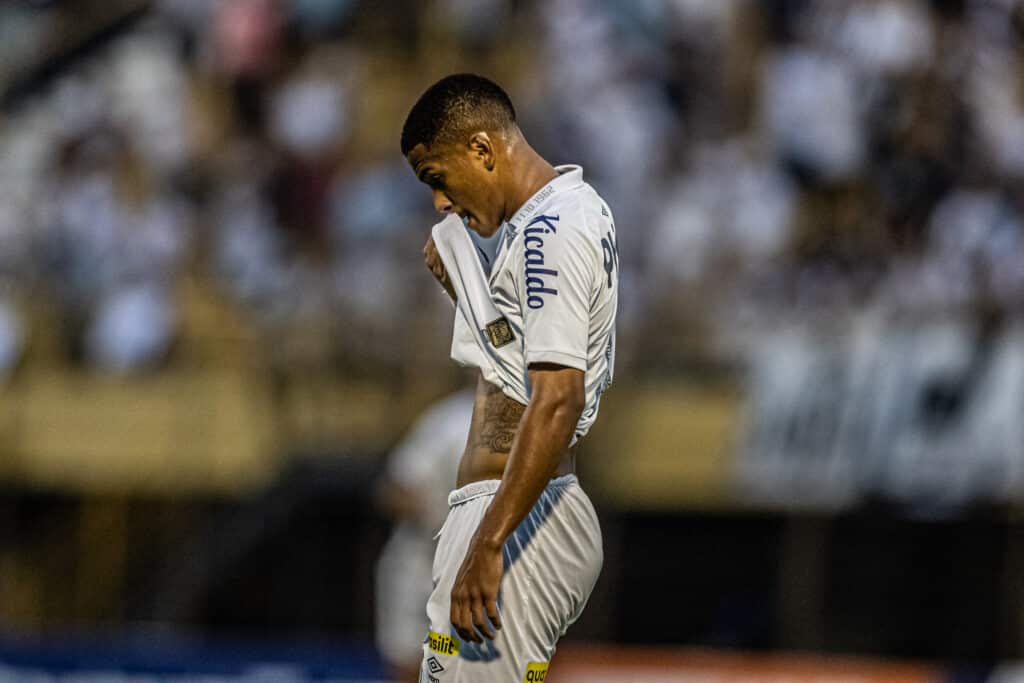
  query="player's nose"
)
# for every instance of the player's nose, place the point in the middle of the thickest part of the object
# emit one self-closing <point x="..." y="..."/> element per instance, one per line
<point x="442" y="204"/>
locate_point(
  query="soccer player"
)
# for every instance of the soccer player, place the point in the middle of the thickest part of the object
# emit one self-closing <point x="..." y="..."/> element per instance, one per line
<point x="414" y="492"/>
<point x="520" y="550"/>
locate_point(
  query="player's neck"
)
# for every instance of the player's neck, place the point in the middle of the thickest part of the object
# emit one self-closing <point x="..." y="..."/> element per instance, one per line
<point x="532" y="172"/>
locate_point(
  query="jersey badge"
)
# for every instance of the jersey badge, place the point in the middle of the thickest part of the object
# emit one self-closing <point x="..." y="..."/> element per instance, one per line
<point x="500" y="333"/>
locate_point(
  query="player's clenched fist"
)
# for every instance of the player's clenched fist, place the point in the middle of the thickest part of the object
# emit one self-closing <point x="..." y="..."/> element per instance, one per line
<point x="436" y="266"/>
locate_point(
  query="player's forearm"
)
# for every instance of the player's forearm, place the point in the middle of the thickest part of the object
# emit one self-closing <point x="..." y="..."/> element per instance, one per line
<point x="544" y="433"/>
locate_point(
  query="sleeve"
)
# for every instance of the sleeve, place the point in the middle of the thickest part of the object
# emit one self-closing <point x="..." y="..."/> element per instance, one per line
<point x="558" y="270"/>
<point x="464" y="349"/>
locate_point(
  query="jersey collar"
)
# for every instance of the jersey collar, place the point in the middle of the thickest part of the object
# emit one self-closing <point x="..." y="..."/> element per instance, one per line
<point x="569" y="178"/>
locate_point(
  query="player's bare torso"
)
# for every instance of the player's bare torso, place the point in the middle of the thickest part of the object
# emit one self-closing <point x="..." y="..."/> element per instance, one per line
<point x="493" y="429"/>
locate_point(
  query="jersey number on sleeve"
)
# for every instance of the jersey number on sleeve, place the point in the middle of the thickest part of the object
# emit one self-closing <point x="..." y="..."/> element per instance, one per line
<point x="611" y="254"/>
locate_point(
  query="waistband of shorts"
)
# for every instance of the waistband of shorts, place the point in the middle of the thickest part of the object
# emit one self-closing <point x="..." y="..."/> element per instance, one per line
<point x="487" y="487"/>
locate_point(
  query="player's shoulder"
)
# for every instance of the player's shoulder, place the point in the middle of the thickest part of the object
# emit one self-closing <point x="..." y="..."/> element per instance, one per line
<point x="567" y="216"/>
<point x="577" y="211"/>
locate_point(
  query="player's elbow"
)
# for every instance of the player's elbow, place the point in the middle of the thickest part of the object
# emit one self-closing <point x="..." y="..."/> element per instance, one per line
<point x="573" y="402"/>
<point x="562" y="411"/>
<point x="561" y="393"/>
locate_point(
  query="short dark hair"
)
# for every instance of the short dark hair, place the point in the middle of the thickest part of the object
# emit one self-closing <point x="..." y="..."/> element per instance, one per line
<point x="453" y="105"/>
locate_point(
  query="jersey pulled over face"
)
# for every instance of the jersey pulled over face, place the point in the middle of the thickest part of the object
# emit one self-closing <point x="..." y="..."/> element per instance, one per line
<point x="555" y="279"/>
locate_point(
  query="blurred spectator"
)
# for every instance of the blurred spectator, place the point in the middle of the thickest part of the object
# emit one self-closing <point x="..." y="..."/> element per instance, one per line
<point x="110" y="232"/>
<point x="421" y="472"/>
<point x="730" y="200"/>
<point x="148" y="89"/>
<point x="775" y="159"/>
<point x="820" y="202"/>
<point x="248" y="36"/>
<point x="811" y="113"/>
<point x="320" y="17"/>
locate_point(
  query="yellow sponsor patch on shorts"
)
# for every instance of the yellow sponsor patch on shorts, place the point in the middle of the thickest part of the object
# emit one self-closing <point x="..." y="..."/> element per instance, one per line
<point x="444" y="644"/>
<point x="536" y="672"/>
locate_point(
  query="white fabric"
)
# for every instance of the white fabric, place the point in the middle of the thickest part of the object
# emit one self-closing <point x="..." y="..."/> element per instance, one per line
<point x="552" y="561"/>
<point x="426" y="461"/>
<point x="502" y="367"/>
<point x="555" y="279"/>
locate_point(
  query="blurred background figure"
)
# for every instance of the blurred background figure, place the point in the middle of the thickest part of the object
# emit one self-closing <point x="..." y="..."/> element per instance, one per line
<point x="215" y="325"/>
<point x="420" y="474"/>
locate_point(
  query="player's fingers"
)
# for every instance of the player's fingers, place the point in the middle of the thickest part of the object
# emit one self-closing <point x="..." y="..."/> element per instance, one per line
<point x="466" y="619"/>
<point x="453" y="616"/>
<point x="479" y="620"/>
<point x="430" y="256"/>
<point x="491" y="603"/>
<point x="437" y="268"/>
<point x="434" y="262"/>
<point x="468" y="623"/>
<point x="461" y="618"/>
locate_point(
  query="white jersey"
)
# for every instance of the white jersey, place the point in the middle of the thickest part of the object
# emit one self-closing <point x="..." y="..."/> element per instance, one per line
<point x="555" y="280"/>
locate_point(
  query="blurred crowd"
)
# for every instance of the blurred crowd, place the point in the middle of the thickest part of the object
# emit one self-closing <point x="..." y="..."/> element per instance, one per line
<point x="770" y="163"/>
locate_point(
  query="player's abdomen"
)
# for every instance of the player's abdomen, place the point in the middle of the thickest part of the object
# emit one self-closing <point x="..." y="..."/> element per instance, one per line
<point x="496" y="419"/>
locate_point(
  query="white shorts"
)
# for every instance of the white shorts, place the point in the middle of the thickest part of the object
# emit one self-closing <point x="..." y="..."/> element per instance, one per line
<point x="552" y="561"/>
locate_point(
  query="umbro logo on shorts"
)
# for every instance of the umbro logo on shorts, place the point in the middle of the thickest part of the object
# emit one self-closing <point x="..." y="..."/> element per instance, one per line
<point x="443" y="644"/>
<point x="536" y="672"/>
<point x="434" y="665"/>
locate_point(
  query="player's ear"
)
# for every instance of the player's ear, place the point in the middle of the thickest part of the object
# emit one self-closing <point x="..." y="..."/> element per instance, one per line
<point x="481" y="147"/>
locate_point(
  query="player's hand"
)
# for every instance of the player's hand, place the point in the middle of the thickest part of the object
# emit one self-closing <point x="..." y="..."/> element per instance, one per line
<point x="475" y="593"/>
<point x="436" y="266"/>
